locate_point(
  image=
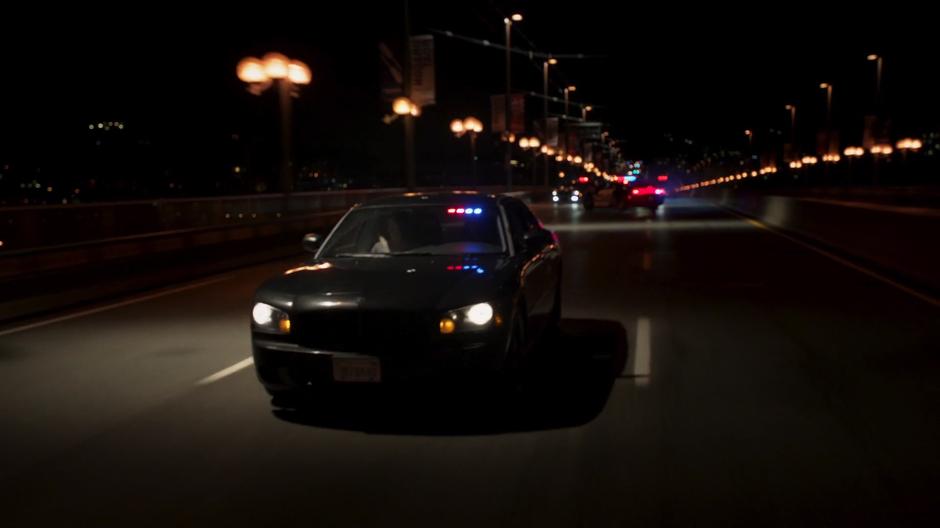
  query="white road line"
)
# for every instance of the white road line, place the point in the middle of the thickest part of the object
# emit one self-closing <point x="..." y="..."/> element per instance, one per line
<point x="83" y="313"/>
<point x="228" y="371"/>
<point x="642" y="351"/>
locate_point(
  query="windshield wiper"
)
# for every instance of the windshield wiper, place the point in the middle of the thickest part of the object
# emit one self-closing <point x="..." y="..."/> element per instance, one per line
<point x="359" y="255"/>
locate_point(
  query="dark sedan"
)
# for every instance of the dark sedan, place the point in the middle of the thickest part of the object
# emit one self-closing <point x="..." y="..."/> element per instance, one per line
<point x="420" y="285"/>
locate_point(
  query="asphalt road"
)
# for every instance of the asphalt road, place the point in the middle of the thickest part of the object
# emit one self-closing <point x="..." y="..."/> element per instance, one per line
<point x="714" y="373"/>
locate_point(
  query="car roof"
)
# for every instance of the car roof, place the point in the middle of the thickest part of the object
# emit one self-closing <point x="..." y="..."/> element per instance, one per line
<point x="435" y="198"/>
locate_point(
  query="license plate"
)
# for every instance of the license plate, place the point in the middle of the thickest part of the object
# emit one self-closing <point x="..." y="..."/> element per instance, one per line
<point x="357" y="370"/>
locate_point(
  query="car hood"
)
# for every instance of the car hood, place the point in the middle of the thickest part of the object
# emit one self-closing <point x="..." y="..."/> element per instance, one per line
<point x="388" y="283"/>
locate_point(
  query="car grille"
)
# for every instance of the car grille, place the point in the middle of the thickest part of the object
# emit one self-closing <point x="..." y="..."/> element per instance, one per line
<point x="366" y="332"/>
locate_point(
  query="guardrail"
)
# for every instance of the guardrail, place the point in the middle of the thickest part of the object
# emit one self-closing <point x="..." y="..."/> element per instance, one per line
<point x="900" y="240"/>
<point x="43" y="239"/>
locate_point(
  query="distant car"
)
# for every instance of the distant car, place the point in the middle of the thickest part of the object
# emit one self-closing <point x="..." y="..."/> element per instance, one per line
<point x="565" y="194"/>
<point x="581" y="190"/>
<point x="405" y="287"/>
<point x="638" y="195"/>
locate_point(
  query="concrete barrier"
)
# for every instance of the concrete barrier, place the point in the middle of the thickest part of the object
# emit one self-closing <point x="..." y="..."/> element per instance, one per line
<point x="43" y="239"/>
<point x="904" y="241"/>
<point x="228" y="233"/>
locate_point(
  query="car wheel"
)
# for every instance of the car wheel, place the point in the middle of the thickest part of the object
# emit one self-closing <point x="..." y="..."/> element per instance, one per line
<point x="588" y="203"/>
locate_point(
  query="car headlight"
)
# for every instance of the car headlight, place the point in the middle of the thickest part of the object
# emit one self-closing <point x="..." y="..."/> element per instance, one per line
<point x="270" y="319"/>
<point x="576" y="193"/>
<point x="554" y="193"/>
<point x="469" y="318"/>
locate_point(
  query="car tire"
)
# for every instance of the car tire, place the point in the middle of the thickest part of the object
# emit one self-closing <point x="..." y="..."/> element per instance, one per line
<point x="588" y="202"/>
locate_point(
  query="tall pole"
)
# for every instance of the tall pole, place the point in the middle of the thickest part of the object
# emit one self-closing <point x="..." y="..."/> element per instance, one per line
<point x="409" y="120"/>
<point x="879" y="64"/>
<point x="283" y="90"/>
<point x="508" y="109"/>
<point x="828" y="118"/>
<point x="566" y="103"/>
<point x="473" y="156"/>
<point x="544" y="118"/>
<point x="792" y="109"/>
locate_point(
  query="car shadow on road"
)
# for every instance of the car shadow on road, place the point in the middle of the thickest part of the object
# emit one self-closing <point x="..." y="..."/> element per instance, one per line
<point x="568" y="387"/>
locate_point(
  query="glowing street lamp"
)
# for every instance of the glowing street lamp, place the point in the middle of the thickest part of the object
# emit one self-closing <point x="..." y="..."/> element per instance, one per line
<point x="881" y="150"/>
<point x="584" y="110"/>
<point x="403" y="106"/>
<point x="288" y="75"/>
<point x="909" y="144"/>
<point x="568" y="90"/>
<point x="853" y="152"/>
<point x="879" y="65"/>
<point x="508" y="21"/>
<point x="532" y="143"/>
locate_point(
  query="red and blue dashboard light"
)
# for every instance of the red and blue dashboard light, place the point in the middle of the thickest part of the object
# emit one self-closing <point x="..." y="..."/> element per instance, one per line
<point x="464" y="210"/>
<point x="466" y="267"/>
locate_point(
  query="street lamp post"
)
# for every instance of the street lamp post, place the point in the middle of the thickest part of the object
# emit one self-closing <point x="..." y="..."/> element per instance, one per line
<point x="568" y="89"/>
<point x="791" y="108"/>
<point x="533" y="144"/>
<point x="551" y="61"/>
<point x="470" y="126"/>
<point x="515" y="17"/>
<point x="584" y="110"/>
<point x="288" y="75"/>
<point x="879" y="64"/>
<point x="828" y="88"/>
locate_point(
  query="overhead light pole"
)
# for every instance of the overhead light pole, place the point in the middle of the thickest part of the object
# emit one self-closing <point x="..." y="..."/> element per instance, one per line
<point x="470" y="126"/>
<point x="515" y="17"/>
<point x="274" y="69"/>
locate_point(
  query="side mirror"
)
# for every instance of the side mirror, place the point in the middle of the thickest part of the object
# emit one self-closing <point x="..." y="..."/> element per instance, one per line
<point x="311" y="242"/>
<point x="537" y="239"/>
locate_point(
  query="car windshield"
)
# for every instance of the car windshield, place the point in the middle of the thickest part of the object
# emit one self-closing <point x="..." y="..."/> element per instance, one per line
<point x="386" y="231"/>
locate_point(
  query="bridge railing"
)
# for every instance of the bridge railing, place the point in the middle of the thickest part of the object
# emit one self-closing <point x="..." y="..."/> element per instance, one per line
<point x="47" y="238"/>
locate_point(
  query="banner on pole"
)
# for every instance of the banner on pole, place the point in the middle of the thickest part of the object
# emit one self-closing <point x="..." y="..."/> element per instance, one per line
<point x="498" y="113"/>
<point x="422" y="70"/>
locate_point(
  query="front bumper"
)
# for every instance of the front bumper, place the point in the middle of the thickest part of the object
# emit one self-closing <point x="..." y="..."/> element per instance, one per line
<point x="282" y="365"/>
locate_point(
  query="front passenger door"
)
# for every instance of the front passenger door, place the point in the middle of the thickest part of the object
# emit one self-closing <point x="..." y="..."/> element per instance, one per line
<point x="536" y="272"/>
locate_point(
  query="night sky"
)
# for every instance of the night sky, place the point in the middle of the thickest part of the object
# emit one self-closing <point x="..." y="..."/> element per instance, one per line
<point x="702" y="75"/>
